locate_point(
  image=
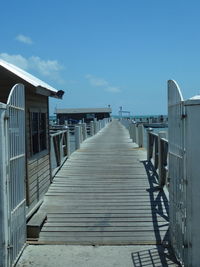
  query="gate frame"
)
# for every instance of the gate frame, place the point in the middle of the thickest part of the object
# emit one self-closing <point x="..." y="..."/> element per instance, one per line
<point x="12" y="206"/>
<point x="184" y="190"/>
<point x="192" y="165"/>
<point x="3" y="189"/>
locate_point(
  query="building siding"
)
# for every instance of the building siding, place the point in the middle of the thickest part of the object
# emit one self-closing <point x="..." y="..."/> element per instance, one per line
<point x="38" y="176"/>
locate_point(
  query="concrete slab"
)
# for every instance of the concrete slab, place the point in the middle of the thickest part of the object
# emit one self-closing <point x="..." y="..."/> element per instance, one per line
<point x="95" y="256"/>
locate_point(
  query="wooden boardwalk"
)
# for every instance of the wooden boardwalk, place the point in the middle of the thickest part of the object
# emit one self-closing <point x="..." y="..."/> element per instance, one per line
<point x="106" y="193"/>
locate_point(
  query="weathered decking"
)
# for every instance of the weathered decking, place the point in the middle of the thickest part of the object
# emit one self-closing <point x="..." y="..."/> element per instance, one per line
<point x="106" y="194"/>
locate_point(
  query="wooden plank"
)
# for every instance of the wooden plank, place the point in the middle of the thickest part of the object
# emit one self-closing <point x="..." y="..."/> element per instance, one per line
<point x="35" y="224"/>
<point x="102" y="195"/>
<point x="102" y="223"/>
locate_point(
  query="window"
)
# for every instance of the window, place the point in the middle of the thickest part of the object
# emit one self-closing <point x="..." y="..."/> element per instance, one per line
<point x="38" y="132"/>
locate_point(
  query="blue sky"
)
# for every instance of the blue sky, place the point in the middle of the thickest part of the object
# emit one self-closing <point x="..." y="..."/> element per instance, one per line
<point x="101" y="52"/>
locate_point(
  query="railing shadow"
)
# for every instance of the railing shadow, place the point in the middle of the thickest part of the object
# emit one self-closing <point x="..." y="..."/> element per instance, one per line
<point x="162" y="254"/>
<point x="155" y="257"/>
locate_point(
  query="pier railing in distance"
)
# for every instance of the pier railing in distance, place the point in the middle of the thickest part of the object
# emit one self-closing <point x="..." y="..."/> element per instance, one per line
<point x="156" y="145"/>
<point x="157" y="153"/>
<point x="59" y="144"/>
<point x="60" y="136"/>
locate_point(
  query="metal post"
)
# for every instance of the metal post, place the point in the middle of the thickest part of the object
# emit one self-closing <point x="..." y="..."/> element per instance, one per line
<point x="77" y="137"/>
<point x="161" y="171"/>
<point x="140" y="135"/>
<point x="3" y="189"/>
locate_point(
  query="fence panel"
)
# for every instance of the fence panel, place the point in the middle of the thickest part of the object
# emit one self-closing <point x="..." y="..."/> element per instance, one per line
<point x="177" y="190"/>
<point x="3" y="190"/>
<point x="59" y="149"/>
<point x="16" y="172"/>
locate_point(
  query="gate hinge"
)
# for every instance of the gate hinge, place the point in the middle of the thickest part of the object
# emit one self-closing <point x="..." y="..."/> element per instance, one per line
<point x="185" y="245"/>
<point x="6" y="117"/>
<point x="183" y="116"/>
<point x="9" y="247"/>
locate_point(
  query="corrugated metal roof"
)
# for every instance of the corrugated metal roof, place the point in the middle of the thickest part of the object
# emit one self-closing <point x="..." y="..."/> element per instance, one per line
<point x="83" y="110"/>
<point x="30" y="78"/>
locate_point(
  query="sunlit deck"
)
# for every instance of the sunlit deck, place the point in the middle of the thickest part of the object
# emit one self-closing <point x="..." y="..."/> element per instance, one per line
<point x="106" y="194"/>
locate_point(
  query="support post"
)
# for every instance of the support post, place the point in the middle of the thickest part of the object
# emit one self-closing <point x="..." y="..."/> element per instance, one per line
<point x="135" y="133"/>
<point x="91" y="128"/>
<point x="77" y="137"/>
<point x="140" y="135"/>
<point x="84" y="128"/>
<point x="149" y="144"/>
<point x="68" y="143"/>
<point x="81" y="132"/>
<point x="161" y="167"/>
<point x="95" y="126"/>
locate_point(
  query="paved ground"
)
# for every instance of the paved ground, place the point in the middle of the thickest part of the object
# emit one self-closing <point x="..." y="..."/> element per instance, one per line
<point x="95" y="256"/>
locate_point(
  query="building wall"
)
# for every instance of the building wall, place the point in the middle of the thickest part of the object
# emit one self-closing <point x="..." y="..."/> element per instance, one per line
<point x="38" y="166"/>
<point x="38" y="175"/>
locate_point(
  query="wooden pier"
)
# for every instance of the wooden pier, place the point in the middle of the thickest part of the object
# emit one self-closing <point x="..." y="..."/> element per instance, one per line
<point x="106" y="194"/>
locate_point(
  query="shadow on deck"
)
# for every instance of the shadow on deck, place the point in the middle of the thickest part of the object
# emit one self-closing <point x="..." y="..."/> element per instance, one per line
<point x="161" y="255"/>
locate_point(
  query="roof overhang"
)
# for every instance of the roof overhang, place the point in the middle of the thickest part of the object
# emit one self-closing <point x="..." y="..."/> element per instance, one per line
<point x="41" y="87"/>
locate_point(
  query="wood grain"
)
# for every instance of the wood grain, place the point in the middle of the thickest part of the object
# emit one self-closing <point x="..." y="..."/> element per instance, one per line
<point x="106" y="193"/>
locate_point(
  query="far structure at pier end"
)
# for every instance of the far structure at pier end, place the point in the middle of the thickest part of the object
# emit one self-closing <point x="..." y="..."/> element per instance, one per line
<point x="73" y="115"/>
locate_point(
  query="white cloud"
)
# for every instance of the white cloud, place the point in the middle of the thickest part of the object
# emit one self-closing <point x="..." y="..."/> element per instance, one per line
<point x="113" y="89"/>
<point x="17" y="60"/>
<point x="24" y="39"/>
<point x="45" y="67"/>
<point x="96" y="81"/>
<point x="48" y="68"/>
<point x="99" y="82"/>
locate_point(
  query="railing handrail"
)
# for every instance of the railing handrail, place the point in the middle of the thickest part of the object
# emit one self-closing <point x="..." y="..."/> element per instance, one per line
<point x="60" y="140"/>
<point x="57" y="132"/>
<point x="160" y="147"/>
<point x="157" y="148"/>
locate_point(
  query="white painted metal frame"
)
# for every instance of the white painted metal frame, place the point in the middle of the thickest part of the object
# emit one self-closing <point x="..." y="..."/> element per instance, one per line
<point x="192" y="166"/>
<point x="3" y="190"/>
<point x="177" y="188"/>
<point x="13" y="175"/>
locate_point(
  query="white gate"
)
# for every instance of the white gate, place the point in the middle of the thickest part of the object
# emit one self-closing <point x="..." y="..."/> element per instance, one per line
<point x="177" y="189"/>
<point x="13" y="175"/>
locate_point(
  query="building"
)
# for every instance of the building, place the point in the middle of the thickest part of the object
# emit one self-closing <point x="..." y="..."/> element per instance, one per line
<point x="87" y="114"/>
<point x="37" y="146"/>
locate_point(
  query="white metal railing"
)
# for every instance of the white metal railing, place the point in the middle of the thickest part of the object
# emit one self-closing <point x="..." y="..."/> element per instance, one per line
<point x="177" y="162"/>
<point x="12" y="177"/>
